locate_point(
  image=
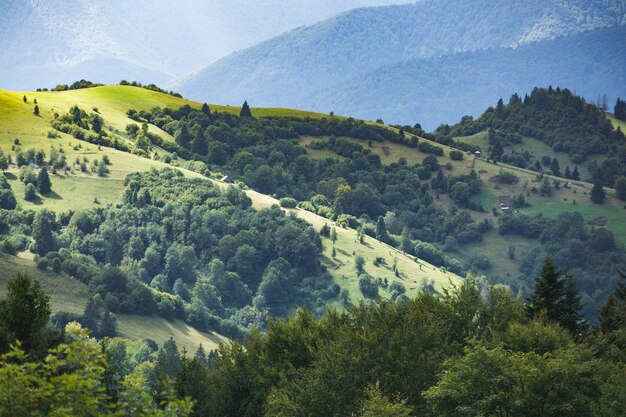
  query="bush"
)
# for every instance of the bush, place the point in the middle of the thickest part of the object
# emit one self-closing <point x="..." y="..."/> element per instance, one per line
<point x="368" y="286"/>
<point x="30" y="192"/>
<point x="456" y="155"/>
<point x="288" y="202"/>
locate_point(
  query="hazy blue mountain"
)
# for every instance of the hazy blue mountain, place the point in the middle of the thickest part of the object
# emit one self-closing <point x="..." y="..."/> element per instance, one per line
<point x="53" y="41"/>
<point x="309" y="66"/>
<point x="436" y="90"/>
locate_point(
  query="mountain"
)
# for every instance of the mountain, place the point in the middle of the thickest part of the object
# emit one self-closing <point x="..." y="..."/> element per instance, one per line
<point x="304" y="67"/>
<point x="432" y="91"/>
<point x="44" y="43"/>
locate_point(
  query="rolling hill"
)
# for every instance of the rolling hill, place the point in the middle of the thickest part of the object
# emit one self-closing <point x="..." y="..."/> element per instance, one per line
<point x="57" y="42"/>
<point x="76" y="190"/>
<point x="325" y="66"/>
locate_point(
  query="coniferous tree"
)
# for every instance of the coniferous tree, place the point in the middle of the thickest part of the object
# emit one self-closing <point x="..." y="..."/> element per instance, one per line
<point x="24" y="99"/>
<point x="613" y="312"/>
<point x="36" y="110"/>
<point x="245" y="110"/>
<point x="108" y="326"/>
<point x="597" y="192"/>
<point x="43" y="181"/>
<point x="205" y="109"/>
<point x="199" y="144"/>
<point x="567" y="174"/>
<point x="555" y="168"/>
<point x="620" y="109"/>
<point x="571" y="318"/>
<point x="548" y="293"/>
<point x="575" y="174"/>
<point x="24" y="312"/>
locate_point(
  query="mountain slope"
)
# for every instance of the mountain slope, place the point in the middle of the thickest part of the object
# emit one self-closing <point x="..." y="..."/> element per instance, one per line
<point x="44" y="43"/>
<point x="444" y="89"/>
<point x="297" y="65"/>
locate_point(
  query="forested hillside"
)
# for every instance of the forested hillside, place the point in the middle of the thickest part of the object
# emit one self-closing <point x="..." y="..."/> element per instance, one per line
<point x="381" y="62"/>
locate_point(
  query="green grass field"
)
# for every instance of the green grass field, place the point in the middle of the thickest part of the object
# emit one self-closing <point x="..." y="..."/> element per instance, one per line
<point x="77" y="190"/>
<point x="412" y="272"/>
<point x="68" y="294"/>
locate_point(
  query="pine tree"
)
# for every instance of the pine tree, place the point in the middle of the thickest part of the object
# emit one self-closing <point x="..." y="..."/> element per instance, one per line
<point x="43" y="181"/>
<point x="597" y="192"/>
<point x="43" y="224"/>
<point x="199" y="144"/>
<point x="36" y="110"/>
<point x="245" y="110"/>
<point x="575" y="174"/>
<point x="206" y="109"/>
<point x="24" y="99"/>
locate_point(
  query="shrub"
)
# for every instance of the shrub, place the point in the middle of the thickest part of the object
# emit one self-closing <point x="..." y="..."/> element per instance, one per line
<point x="456" y="155"/>
<point x="288" y="202"/>
<point x="30" y="192"/>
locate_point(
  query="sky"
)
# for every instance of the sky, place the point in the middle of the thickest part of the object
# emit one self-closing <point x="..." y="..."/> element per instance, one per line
<point x="47" y="38"/>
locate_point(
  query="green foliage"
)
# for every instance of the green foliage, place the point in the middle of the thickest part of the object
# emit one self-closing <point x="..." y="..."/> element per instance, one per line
<point x="288" y="202"/>
<point x="557" y="298"/>
<point x="24" y="312"/>
<point x="376" y="405"/>
<point x="620" y="188"/>
<point x="30" y="192"/>
<point x="245" y="111"/>
<point x="619" y="110"/>
<point x="456" y="155"/>
<point x="598" y="195"/>
<point x="496" y="381"/>
<point x="43" y="181"/>
<point x="70" y="382"/>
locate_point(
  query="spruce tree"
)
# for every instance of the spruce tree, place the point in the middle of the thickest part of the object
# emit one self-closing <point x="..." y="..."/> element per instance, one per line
<point x="567" y="174"/>
<point x="571" y="318"/>
<point x="597" y="192"/>
<point x="205" y="109"/>
<point x="245" y="110"/>
<point x="620" y="109"/>
<point x="43" y="181"/>
<point x="555" y="168"/>
<point x="575" y="174"/>
<point x="36" y="110"/>
<point x="549" y="290"/>
<point x="613" y="312"/>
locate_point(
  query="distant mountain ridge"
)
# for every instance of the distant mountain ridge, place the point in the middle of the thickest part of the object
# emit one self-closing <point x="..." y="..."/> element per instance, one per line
<point x="47" y="42"/>
<point x="306" y="64"/>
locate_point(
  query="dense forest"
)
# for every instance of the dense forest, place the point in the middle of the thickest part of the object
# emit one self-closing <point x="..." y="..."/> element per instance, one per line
<point x="556" y="117"/>
<point x="181" y="248"/>
<point x="476" y="350"/>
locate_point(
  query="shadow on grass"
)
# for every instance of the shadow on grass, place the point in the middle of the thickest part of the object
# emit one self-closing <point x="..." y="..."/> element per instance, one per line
<point x="53" y="195"/>
<point x="10" y="176"/>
